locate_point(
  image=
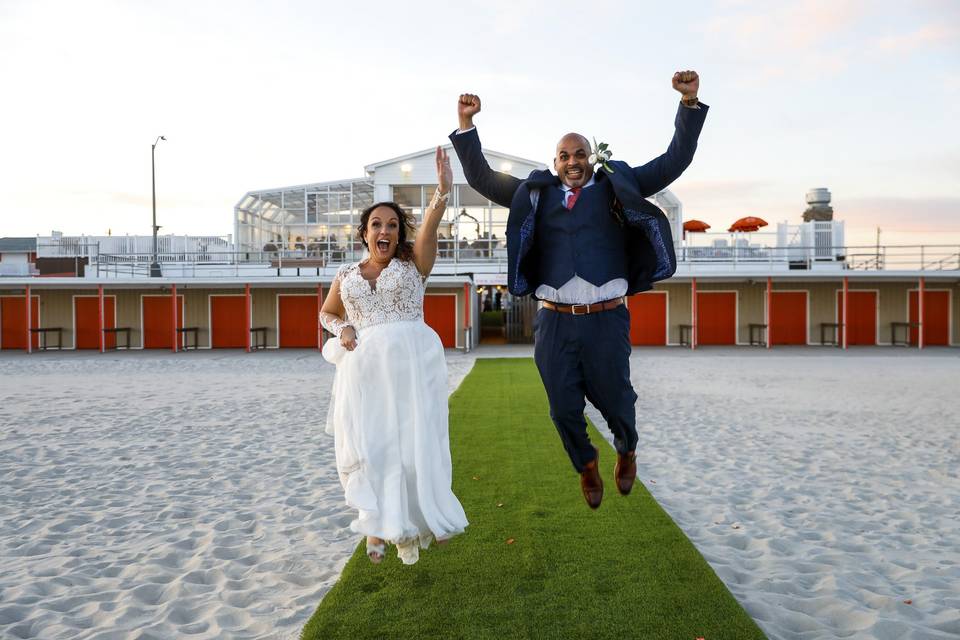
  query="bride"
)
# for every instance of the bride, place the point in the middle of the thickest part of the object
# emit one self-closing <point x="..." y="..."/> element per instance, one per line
<point x="389" y="400"/>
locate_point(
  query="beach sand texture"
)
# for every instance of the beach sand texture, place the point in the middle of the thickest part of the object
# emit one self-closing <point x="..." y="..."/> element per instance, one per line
<point x="146" y="495"/>
<point x="822" y="487"/>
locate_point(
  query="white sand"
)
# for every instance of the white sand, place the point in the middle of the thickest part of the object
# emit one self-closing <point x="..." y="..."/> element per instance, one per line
<point x="146" y="495"/>
<point x="822" y="487"/>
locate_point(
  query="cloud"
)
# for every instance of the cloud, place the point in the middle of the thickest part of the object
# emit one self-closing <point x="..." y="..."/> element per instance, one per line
<point x="903" y="214"/>
<point x="796" y="26"/>
<point x="927" y="36"/>
<point x="723" y="189"/>
<point x="807" y="38"/>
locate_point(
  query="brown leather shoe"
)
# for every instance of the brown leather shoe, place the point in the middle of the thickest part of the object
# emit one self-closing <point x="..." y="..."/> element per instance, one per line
<point x="591" y="483"/>
<point x="625" y="472"/>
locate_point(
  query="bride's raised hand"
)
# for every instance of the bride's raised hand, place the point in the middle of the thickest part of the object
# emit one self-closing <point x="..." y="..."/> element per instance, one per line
<point x="444" y="172"/>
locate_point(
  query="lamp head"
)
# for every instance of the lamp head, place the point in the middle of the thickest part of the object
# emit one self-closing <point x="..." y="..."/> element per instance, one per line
<point x="163" y="137"/>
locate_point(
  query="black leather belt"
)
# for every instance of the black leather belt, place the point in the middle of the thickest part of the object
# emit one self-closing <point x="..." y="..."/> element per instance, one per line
<point x="583" y="309"/>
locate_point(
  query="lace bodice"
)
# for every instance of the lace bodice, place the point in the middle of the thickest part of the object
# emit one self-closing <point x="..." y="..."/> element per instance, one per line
<point x="397" y="294"/>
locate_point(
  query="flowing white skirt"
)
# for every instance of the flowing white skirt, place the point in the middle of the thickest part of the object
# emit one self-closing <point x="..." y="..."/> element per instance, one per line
<point x="388" y="416"/>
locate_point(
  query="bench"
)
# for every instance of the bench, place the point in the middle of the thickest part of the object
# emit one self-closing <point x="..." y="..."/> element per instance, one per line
<point x="906" y="326"/>
<point x="195" y="331"/>
<point x="43" y="331"/>
<point x="117" y="330"/>
<point x="686" y="333"/>
<point x="258" y="337"/>
<point x="834" y="328"/>
<point x="758" y="334"/>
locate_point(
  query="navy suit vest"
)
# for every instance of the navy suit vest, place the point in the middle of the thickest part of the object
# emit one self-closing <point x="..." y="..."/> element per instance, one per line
<point x="585" y="241"/>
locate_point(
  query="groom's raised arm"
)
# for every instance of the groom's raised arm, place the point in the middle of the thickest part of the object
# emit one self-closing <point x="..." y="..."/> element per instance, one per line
<point x="657" y="174"/>
<point x="491" y="184"/>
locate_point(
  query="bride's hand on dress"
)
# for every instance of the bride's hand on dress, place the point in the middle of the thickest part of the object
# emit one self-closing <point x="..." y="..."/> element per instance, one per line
<point x="348" y="338"/>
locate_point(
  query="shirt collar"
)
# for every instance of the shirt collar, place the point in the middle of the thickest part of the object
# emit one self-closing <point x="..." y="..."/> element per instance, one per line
<point x="590" y="182"/>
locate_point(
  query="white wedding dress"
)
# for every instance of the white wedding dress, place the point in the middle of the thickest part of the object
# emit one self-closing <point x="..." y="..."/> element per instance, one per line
<point x="388" y="413"/>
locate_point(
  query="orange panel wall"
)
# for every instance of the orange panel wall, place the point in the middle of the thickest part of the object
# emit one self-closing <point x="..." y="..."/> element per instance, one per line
<point x="788" y="317"/>
<point x="227" y="320"/>
<point x="298" y="320"/>
<point x="440" y="312"/>
<point x="936" y="318"/>
<point x="85" y="312"/>
<point x="157" y="327"/>
<point x="648" y="318"/>
<point x="861" y="318"/>
<point x="13" y="322"/>
<point x="716" y="317"/>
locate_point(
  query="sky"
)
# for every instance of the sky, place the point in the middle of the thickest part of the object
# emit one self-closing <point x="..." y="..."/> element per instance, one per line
<point x="856" y="96"/>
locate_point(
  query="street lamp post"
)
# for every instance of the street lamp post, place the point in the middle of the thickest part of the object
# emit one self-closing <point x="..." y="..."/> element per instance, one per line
<point x="155" y="265"/>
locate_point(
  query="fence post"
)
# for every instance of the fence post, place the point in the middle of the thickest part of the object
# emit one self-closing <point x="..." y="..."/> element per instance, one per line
<point x="319" y="307"/>
<point x="693" y="314"/>
<point x="100" y="322"/>
<point x="173" y="299"/>
<point x="843" y="319"/>
<point x="29" y="314"/>
<point x="920" y="315"/>
<point x="246" y="312"/>
<point x="769" y="313"/>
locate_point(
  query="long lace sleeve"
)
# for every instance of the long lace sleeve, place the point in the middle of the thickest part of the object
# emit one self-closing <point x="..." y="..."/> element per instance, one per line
<point x="333" y="324"/>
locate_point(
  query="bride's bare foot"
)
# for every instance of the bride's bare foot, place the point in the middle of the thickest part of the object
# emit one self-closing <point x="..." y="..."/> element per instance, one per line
<point x="375" y="549"/>
<point x="441" y="543"/>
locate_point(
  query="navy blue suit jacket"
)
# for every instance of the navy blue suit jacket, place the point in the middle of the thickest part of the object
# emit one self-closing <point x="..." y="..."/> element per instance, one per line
<point x="647" y="234"/>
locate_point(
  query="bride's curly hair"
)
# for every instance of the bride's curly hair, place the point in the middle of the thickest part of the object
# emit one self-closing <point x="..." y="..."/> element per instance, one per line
<point x="407" y="228"/>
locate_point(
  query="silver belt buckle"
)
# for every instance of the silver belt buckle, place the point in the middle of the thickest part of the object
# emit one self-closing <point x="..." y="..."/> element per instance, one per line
<point x="573" y="309"/>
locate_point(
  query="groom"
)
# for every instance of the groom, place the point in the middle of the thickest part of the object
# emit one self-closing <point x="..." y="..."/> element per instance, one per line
<point x="580" y="240"/>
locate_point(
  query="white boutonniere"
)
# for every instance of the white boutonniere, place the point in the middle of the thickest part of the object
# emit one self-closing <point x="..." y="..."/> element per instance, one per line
<point x="600" y="155"/>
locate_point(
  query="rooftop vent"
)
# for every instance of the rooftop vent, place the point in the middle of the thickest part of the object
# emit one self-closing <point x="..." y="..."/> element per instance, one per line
<point x="818" y="205"/>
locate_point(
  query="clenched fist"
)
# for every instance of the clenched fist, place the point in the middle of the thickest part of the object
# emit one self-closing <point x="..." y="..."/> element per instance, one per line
<point x="467" y="106"/>
<point x="686" y="82"/>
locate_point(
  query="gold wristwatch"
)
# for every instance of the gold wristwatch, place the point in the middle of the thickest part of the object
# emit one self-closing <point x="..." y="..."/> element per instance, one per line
<point x="690" y="102"/>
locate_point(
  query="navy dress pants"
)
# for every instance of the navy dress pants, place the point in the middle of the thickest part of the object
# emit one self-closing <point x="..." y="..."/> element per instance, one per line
<point x="587" y="356"/>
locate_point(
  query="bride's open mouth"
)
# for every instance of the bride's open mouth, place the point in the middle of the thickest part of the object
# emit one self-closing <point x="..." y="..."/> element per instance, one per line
<point x="383" y="246"/>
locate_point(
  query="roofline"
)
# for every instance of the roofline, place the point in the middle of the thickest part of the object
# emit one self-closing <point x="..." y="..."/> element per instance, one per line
<point x="302" y="186"/>
<point x="438" y="278"/>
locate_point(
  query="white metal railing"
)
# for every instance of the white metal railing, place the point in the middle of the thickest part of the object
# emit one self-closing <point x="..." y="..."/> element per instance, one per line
<point x="59" y="246"/>
<point x="464" y="256"/>
<point x="17" y="269"/>
<point x="867" y="257"/>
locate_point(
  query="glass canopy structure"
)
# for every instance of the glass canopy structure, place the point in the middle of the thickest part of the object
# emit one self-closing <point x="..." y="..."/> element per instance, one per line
<point x="318" y="221"/>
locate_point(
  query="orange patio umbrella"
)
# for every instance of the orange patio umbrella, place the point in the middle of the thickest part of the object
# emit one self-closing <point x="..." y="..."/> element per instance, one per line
<point x="749" y="223"/>
<point x="695" y="226"/>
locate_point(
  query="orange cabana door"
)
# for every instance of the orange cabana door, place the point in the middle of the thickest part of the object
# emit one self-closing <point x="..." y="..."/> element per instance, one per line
<point x="936" y="318"/>
<point x="85" y="312"/>
<point x="861" y="317"/>
<point x="716" y="317"/>
<point x="227" y="320"/>
<point x="298" y="320"/>
<point x="788" y="317"/>
<point x="440" y="313"/>
<point x="157" y="328"/>
<point x="13" y="322"/>
<point x="648" y="318"/>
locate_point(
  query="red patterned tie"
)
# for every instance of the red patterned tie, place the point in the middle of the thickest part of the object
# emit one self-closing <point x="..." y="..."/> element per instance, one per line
<point x="572" y="198"/>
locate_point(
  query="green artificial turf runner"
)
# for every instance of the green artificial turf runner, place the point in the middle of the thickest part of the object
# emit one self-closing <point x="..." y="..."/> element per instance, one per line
<point x="535" y="561"/>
